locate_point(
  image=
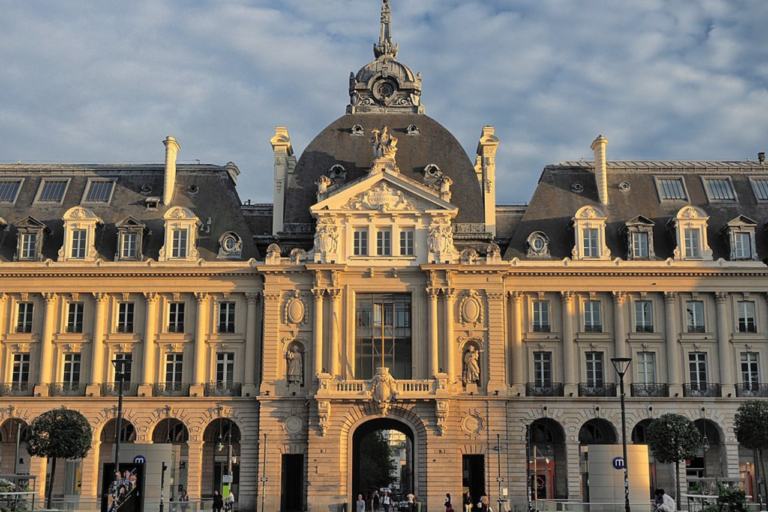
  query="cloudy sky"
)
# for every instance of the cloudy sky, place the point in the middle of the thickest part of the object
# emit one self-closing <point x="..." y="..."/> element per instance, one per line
<point x="105" y="81"/>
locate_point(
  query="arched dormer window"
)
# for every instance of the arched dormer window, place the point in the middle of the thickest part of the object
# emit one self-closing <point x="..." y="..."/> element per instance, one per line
<point x="79" y="235"/>
<point x="589" y="232"/>
<point x="690" y="226"/>
<point x="130" y="239"/>
<point x="29" y="240"/>
<point x="740" y="233"/>
<point x="181" y="227"/>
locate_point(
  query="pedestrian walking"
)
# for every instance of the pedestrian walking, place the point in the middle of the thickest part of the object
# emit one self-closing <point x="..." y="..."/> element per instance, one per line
<point x="218" y="501"/>
<point x="448" y="504"/>
<point x="376" y="501"/>
<point x="360" y="504"/>
<point x="184" y="499"/>
<point x="467" y="502"/>
<point x="229" y="502"/>
<point x="386" y="501"/>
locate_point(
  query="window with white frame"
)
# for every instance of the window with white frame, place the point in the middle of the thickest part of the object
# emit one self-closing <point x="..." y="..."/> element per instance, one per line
<point x="747" y="319"/>
<point x="760" y="187"/>
<point x="360" y="242"/>
<point x="646" y="368"/>
<point x="589" y="239"/>
<point x="640" y="245"/>
<point x="589" y="234"/>
<point x="29" y="239"/>
<point x="176" y="317"/>
<point x="692" y="243"/>
<point x="742" y="246"/>
<point x="125" y="317"/>
<point x="28" y="246"/>
<point x="129" y="239"/>
<point x="71" y="375"/>
<point x="52" y="191"/>
<point x="406" y="242"/>
<point x="75" y="317"/>
<point x="643" y="316"/>
<point x="181" y="227"/>
<point x="24" y="316"/>
<point x="129" y="243"/>
<point x="698" y="371"/>
<point x="639" y="231"/>
<point x="20" y="371"/>
<point x="750" y="371"/>
<point x="541" y="316"/>
<point x="225" y="368"/>
<point x="126" y="364"/>
<point x="694" y="313"/>
<point x="79" y="245"/>
<point x="719" y="189"/>
<point x="174" y="364"/>
<point x="226" y="317"/>
<point x="690" y="228"/>
<point x="671" y="189"/>
<point x="740" y="233"/>
<point x="592" y="317"/>
<point x="179" y="247"/>
<point x="595" y="369"/>
<point x="79" y="235"/>
<point x="542" y="369"/>
<point x="384" y="242"/>
<point x="98" y="191"/>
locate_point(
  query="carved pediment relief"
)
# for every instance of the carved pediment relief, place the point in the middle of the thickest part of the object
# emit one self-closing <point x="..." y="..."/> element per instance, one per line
<point x="381" y="197"/>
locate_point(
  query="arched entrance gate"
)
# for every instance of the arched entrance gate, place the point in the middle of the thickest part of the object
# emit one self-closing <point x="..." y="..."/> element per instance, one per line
<point x="408" y="475"/>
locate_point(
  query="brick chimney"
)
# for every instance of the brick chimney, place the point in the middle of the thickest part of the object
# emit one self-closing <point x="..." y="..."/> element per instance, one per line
<point x="169" y="183"/>
<point x="601" y="171"/>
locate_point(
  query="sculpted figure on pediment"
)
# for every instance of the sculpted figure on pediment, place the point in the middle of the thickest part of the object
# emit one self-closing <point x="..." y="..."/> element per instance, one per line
<point x="381" y="197"/>
<point x="326" y="236"/>
<point x="440" y="239"/>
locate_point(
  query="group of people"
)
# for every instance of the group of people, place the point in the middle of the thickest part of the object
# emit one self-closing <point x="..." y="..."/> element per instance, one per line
<point x="220" y="502"/>
<point x="384" y="501"/>
<point x="483" y="505"/>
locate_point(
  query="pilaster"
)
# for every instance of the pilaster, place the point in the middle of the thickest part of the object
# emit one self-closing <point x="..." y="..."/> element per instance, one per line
<point x="317" y="332"/>
<point x="91" y="471"/>
<point x="724" y="346"/>
<point x="568" y="352"/>
<point x="434" y="367"/>
<point x="620" y="330"/>
<point x="573" y="463"/>
<point x="497" y="346"/>
<point x="46" y="345"/>
<point x="195" y="467"/>
<point x="97" y="345"/>
<point x="200" y="378"/>
<point x="731" y="460"/>
<point x="518" y="353"/>
<point x="251" y="344"/>
<point x="449" y="298"/>
<point x="150" y="328"/>
<point x="673" y="360"/>
<point x="335" y="294"/>
<point x="271" y="341"/>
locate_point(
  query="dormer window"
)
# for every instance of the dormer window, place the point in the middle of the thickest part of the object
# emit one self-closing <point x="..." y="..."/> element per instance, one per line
<point x="180" y="241"/>
<point x="9" y="191"/>
<point x="98" y="191"/>
<point x="692" y="243"/>
<point x="230" y="246"/>
<point x="78" y="247"/>
<point x="51" y="191"/>
<point x="740" y="233"/>
<point x="589" y="230"/>
<point x="690" y="225"/>
<point x="639" y="232"/>
<point x="671" y="189"/>
<point x="29" y="243"/>
<point x="130" y="238"/>
<point x="79" y="235"/>
<point x="538" y="245"/>
<point x="181" y="226"/>
<point x="719" y="189"/>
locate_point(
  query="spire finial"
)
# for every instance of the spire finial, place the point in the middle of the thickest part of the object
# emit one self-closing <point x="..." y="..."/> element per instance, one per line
<point x="385" y="47"/>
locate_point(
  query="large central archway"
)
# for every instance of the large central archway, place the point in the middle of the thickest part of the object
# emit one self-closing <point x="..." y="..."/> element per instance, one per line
<point x="408" y="477"/>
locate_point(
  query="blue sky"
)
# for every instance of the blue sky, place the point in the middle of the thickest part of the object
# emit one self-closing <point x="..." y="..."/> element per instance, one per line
<point x="95" y="81"/>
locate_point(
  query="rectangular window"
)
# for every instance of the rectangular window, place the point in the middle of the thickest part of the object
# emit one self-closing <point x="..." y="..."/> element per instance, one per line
<point x="747" y="321"/>
<point x="75" y="317"/>
<point x="174" y="364"/>
<point x="71" y="369"/>
<point x="28" y="246"/>
<point x="542" y="369"/>
<point x="720" y="189"/>
<point x="99" y="191"/>
<point x="589" y="238"/>
<point x="20" y="370"/>
<point x="640" y="245"/>
<point x="129" y="244"/>
<point x="692" y="240"/>
<point x="406" y="242"/>
<point x="179" y="244"/>
<point x="595" y="369"/>
<point x="52" y="191"/>
<point x="694" y="311"/>
<point x="383" y="334"/>
<point x="126" y="364"/>
<point x="225" y="368"/>
<point x="24" y="317"/>
<point x="361" y="242"/>
<point x="125" y="317"/>
<point x="646" y="368"/>
<point x="671" y="189"/>
<point x="592" y="320"/>
<point x="643" y="316"/>
<point x="541" y="316"/>
<point x="176" y="317"/>
<point x="697" y="369"/>
<point x="384" y="242"/>
<point x="226" y="317"/>
<point x="742" y="246"/>
<point x="79" y="244"/>
<point x="9" y="189"/>
<point x="761" y="189"/>
<point x="750" y="371"/>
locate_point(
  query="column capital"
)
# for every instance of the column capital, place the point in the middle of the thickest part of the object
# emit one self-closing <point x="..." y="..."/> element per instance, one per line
<point x="432" y="293"/>
<point x="567" y="296"/>
<point x="100" y="296"/>
<point x="516" y="296"/>
<point x="201" y="296"/>
<point x="495" y="295"/>
<point x="334" y="293"/>
<point x="2" y="296"/>
<point x="272" y="296"/>
<point x="449" y="293"/>
<point x="619" y="297"/>
<point x="253" y="297"/>
<point x="49" y="297"/>
<point x="670" y="296"/>
<point x="721" y="297"/>
<point x="318" y="293"/>
<point x="150" y="297"/>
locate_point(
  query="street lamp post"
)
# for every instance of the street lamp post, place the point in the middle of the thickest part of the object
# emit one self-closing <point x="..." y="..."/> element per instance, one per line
<point x="621" y="364"/>
<point x="120" y="376"/>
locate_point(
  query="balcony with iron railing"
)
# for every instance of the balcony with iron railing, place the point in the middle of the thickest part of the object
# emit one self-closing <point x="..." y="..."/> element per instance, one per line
<point x="16" y="389"/>
<point x="113" y="389"/>
<point x="701" y="390"/>
<point x="223" y="389"/>
<point x="751" y="389"/>
<point x="170" y="389"/>
<point x="649" y="390"/>
<point x="66" y="389"/>
<point x="544" y="389"/>
<point x="597" y="390"/>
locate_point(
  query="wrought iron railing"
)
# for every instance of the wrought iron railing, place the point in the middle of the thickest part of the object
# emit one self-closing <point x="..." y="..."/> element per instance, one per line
<point x="66" y="389"/>
<point x="701" y="389"/>
<point x="605" y="389"/>
<point x="223" y="389"/>
<point x="16" y="389"/>
<point x="649" y="390"/>
<point x="113" y="389"/>
<point x="550" y="389"/>
<point x="170" y="389"/>
<point x="752" y="389"/>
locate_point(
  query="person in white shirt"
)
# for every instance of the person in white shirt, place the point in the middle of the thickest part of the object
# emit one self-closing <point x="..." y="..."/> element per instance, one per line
<point x="664" y="502"/>
<point x="386" y="501"/>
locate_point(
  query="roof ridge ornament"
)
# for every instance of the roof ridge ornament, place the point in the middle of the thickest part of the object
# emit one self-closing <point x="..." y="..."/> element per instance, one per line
<point x="385" y="48"/>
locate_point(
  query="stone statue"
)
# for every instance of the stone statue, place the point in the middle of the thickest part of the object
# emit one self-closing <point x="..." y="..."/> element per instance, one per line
<point x="445" y="188"/>
<point x="384" y="144"/>
<point x="471" y="366"/>
<point x="440" y="238"/>
<point x="323" y="182"/>
<point x="295" y="365"/>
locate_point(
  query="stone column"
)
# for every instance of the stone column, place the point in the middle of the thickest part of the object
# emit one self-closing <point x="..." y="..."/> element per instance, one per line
<point x="619" y="335"/>
<point x="673" y="361"/>
<point x="91" y="471"/>
<point x="497" y="346"/>
<point x="317" y="331"/>
<point x="46" y="345"/>
<point x="148" y="350"/>
<point x="200" y="377"/>
<point x="432" y="332"/>
<point x="6" y="353"/>
<point x="518" y="353"/>
<point x="251" y="345"/>
<point x="724" y="346"/>
<point x="449" y="297"/>
<point x="194" y="467"/>
<point x="270" y="354"/>
<point x="335" y="294"/>
<point x="569" y="357"/>
<point x="97" y="345"/>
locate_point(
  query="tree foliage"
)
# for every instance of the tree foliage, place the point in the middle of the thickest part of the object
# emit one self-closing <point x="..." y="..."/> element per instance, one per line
<point x="376" y="464"/>
<point x="751" y="427"/>
<point x="672" y="439"/>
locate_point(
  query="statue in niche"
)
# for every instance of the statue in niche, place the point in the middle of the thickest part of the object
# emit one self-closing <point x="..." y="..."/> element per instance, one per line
<point x="295" y="366"/>
<point x="440" y="238"/>
<point x="471" y="366"/>
<point x="384" y="144"/>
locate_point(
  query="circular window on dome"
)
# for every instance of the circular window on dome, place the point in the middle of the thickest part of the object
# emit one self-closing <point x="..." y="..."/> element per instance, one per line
<point x="577" y="187"/>
<point x="230" y="245"/>
<point x="384" y="90"/>
<point x="538" y="245"/>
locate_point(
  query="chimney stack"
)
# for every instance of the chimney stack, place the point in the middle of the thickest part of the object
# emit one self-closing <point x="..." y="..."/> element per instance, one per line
<point x="761" y="157"/>
<point x="169" y="183"/>
<point x="601" y="168"/>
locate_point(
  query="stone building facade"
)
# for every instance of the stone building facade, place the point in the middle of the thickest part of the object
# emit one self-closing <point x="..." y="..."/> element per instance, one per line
<point x="383" y="289"/>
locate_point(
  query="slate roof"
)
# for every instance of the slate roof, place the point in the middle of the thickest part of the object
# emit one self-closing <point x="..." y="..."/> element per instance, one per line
<point x="216" y="199"/>
<point x="555" y="202"/>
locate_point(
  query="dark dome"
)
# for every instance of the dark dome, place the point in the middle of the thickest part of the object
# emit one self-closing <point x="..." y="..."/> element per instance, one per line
<point x="336" y="145"/>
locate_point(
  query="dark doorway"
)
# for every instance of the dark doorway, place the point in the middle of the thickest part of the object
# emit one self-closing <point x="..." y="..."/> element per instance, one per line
<point x="293" y="483"/>
<point x="473" y="475"/>
<point x="402" y="450"/>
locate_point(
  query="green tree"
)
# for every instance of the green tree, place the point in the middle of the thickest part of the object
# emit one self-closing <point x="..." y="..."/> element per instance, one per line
<point x="376" y="464"/>
<point x="59" y="434"/>
<point x="673" y="438"/>
<point x="751" y="426"/>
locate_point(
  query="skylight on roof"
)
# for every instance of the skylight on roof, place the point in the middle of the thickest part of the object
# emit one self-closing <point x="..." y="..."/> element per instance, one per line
<point x="672" y="189"/>
<point x="52" y="191"/>
<point x="99" y="191"/>
<point x="761" y="189"/>
<point x="9" y="189"/>
<point x="720" y="189"/>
